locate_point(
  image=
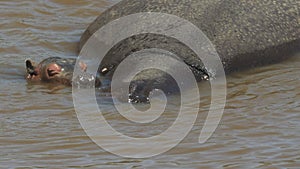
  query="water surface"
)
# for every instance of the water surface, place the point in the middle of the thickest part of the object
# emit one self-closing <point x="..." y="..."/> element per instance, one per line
<point x="39" y="128"/>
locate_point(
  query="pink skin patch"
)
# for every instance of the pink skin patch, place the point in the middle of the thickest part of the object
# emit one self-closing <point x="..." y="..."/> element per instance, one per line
<point x="45" y="72"/>
<point x="48" y="73"/>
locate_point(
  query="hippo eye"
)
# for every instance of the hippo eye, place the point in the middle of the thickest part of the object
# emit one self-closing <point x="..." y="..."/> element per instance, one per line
<point x="53" y="69"/>
<point x="107" y="69"/>
<point x="104" y="70"/>
<point x="52" y="73"/>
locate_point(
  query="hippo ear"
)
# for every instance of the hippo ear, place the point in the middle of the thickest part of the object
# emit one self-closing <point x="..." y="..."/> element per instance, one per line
<point x="82" y="66"/>
<point x="53" y="70"/>
<point x="30" y="68"/>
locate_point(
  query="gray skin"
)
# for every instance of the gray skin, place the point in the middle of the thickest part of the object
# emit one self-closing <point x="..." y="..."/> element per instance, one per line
<point x="245" y="34"/>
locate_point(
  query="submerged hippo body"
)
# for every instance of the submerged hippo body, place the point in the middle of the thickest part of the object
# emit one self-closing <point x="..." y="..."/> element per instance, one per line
<point x="245" y="34"/>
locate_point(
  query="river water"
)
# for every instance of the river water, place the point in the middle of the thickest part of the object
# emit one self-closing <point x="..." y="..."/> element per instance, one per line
<point x="39" y="128"/>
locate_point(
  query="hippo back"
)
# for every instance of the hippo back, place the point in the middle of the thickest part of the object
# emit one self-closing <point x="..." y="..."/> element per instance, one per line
<point x="245" y="33"/>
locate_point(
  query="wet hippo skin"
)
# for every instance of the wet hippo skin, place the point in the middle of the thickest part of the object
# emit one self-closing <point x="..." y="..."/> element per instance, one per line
<point x="245" y="34"/>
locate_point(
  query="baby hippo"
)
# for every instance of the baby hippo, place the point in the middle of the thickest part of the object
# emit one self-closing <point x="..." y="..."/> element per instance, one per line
<point x="58" y="70"/>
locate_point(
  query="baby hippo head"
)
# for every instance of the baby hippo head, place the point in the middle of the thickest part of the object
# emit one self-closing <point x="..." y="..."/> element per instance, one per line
<point x="53" y="69"/>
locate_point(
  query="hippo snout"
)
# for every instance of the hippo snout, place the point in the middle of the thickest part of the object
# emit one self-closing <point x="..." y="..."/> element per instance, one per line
<point x="56" y="70"/>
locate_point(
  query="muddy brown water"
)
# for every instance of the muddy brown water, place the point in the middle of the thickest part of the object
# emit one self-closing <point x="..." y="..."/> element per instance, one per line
<point x="39" y="127"/>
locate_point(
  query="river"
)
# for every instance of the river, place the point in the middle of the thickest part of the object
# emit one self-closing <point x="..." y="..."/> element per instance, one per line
<point x="39" y="128"/>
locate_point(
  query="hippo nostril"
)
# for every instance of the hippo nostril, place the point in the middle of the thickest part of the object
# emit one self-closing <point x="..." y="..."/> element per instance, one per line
<point x="31" y="72"/>
<point x="29" y="64"/>
<point x="30" y="68"/>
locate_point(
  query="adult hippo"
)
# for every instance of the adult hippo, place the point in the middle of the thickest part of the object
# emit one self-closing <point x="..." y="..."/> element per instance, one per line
<point x="245" y="34"/>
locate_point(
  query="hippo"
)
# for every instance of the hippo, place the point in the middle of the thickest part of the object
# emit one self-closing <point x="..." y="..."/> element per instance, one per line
<point x="58" y="70"/>
<point x="246" y="34"/>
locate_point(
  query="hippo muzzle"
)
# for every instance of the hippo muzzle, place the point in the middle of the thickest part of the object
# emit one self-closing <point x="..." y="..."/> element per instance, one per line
<point x="58" y="70"/>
